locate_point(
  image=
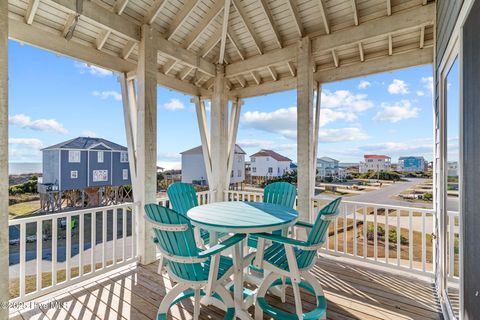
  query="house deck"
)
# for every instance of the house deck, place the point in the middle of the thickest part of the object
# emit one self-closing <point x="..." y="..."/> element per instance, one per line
<point x="353" y="292"/>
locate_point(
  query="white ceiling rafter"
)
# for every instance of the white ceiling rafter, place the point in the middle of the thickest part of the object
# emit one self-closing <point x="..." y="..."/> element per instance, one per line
<point x="203" y="25"/>
<point x="323" y="12"/>
<point x="31" y="11"/>
<point x="236" y="44"/>
<point x="292" y="6"/>
<point x="120" y="6"/>
<point x="223" y="38"/>
<point x="180" y="18"/>
<point x="355" y="12"/>
<point x="271" y="22"/>
<point x="248" y="25"/>
<point x="152" y="14"/>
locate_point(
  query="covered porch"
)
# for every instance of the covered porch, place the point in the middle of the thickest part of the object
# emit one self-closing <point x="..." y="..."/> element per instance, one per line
<point x="224" y="52"/>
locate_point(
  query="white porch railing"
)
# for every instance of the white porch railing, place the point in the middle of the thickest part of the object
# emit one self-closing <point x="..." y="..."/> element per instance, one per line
<point x="53" y="251"/>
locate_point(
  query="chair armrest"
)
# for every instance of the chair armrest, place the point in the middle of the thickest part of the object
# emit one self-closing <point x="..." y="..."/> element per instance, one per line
<point x="304" y="224"/>
<point x="289" y="241"/>
<point x="227" y="243"/>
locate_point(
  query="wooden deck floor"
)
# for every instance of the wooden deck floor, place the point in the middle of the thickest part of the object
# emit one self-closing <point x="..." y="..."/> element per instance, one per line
<point x="353" y="292"/>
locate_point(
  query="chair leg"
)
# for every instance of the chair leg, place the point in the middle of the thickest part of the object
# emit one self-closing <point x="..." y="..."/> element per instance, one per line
<point x="160" y="265"/>
<point x="298" y="299"/>
<point x="284" y="289"/>
<point x="170" y="296"/>
<point x="262" y="291"/>
<point x="196" y="308"/>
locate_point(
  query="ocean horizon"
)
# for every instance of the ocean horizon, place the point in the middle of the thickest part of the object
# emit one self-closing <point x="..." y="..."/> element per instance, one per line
<point x="24" y="167"/>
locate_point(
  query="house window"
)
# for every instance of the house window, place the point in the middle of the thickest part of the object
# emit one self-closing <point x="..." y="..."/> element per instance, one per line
<point x="100" y="156"/>
<point x="100" y="175"/>
<point x="239" y="158"/>
<point x="254" y="169"/>
<point x="270" y="170"/>
<point x="231" y="175"/>
<point x="74" y="174"/>
<point x="278" y="169"/>
<point x="74" y="156"/>
<point x="125" y="174"/>
<point x="253" y="159"/>
<point x="124" y="157"/>
<point x="239" y="173"/>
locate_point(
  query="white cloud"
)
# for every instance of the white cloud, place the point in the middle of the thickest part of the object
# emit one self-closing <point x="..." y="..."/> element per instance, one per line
<point x="93" y="70"/>
<point x="364" y="84"/>
<point x="254" y="143"/>
<point x="428" y="83"/>
<point x="344" y="100"/>
<point x="104" y="95"/>
<point x="23" y="121"/>
<point x="282" y="121"/>
<point x="27" y="142"/>
<point x="174" y="104"/>
<point x="398" y="111"/>
<point x="89" y="133"/>
<point x="397" y="149"/>
<point x="398" y="87"/>
<point x="420" y="93"/>
<point x="341" y="134"/>
<point x="170" y="165"/>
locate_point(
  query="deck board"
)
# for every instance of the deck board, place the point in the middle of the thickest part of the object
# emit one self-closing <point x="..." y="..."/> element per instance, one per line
<point x="352" y="291"/>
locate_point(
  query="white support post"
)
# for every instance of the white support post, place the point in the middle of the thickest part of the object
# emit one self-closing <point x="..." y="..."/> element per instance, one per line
<point x="219" y="136"/>
<point x="305" y="140"/>
<point x="204" y="135"/>
<point x="232" y="132"/>
<point x="145" y="187"/>
<point x="318" y="102"/>
<point x="129" y="109"/>
<point x="4" y="290"/>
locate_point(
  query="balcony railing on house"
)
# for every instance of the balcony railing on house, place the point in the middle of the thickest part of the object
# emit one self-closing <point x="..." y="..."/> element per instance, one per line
<point x="49" y="252"/>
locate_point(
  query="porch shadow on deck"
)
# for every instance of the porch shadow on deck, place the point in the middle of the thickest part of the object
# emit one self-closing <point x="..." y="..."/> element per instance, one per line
<point x="353" y="292"/>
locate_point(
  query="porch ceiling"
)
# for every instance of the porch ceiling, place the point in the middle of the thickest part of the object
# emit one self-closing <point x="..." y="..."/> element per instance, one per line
<point x="349" y="37"/>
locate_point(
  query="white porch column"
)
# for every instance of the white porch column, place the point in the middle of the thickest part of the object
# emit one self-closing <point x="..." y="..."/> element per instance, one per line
<point x="145" y="186"/>
<point x="4" y="295"/>
<point x="219" y="136"/>
<point x="305" y="140"/>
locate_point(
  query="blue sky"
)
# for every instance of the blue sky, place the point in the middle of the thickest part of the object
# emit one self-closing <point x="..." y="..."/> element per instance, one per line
<point x="53" y="98"/>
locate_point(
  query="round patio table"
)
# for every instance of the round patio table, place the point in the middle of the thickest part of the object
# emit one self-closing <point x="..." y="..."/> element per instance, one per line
<point x="241" y="218"/>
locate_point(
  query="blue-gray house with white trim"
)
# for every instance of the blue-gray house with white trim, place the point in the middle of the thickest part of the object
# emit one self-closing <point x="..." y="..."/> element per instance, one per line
<point x="85" y="162"/>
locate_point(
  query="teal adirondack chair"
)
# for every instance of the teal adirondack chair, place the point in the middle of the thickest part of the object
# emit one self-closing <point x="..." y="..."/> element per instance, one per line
<point x="288" y="261"/>
<point x="183" y="197"/>
<point x="197" y="273"/>
<point x="281" y="193"/>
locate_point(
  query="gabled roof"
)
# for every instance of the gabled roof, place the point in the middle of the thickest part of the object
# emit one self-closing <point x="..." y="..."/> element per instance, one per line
<point x="411" y="157"/>
<point x="85" y="143"/>
<point x="375" y="156"/>
<point x="198" y="150"/>
<point x="270" y="153"/>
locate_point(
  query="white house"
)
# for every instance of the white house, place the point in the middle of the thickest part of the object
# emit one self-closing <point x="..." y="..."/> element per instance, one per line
<point x="328" y="167"/>
<point x="269" y="164"/>
<point x="193" y="166"/>
<point x="374" y="162"/>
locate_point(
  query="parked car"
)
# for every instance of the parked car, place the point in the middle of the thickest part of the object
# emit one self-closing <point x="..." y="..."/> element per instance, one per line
<point x="14" y="242"/>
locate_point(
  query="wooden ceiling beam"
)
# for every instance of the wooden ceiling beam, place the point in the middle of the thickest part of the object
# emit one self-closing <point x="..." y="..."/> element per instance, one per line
<point x="185" y="72"/>
<point x="236" y="44"/>
<point x="223" y="38"/>
<point x="271" y="22"/>
<point x="69" y="24"/>
<point x="389" y="7"/>
<point x="361" y="52"/>
<point x="102" y="39"/>
<point x="273" y="73"/>
<point x="31" y="11"/>
<point x="120" y="6"/>
<point x="292" y="69"/>
<point x="200" y="28"/>
<point x="256" y="77"/>
<point x="292" y="6"/>
<point x="248" y="25"/>
<point x="390" y="45"/>
<point x="128" y="49"/>
<point x="180" y="18"/>
<point x="212" y="43"/>
<point x="336" y="61"/>
<point x="355" y="12"/>
<point x="399" y="22"/>
<point x="152" y="14"/>
<point x="168" y="67"/>
<point x="323" y="13"/>
<point x="422" y="37"/>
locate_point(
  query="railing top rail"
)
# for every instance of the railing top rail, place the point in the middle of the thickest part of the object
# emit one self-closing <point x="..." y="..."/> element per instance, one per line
<point x="380" y="205"/>
<point x="65" y="214"/>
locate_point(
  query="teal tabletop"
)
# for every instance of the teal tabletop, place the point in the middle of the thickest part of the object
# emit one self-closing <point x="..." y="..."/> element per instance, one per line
<point x="242" y="217"/>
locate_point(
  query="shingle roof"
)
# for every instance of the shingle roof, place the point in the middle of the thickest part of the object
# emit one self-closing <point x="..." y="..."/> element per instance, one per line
<point x="328" y="159"/>
<point x="198" y="150"/>
<point x="375" y="156"/>
<point x="270" y="153"/>
<point x="84" y="143"/>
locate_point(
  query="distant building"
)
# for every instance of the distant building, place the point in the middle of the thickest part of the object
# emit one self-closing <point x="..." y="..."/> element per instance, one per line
<point x="328" y="167"/>
<point x="269" y="164"/>
<point x="193" y="166"/>
<point x="83" y="163"/>
<point x="452" y="169"/>
<point x="411" y="164"/>
<point x="373" y="162"/>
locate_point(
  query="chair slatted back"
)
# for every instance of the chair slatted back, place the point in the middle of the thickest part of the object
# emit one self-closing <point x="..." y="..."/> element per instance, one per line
<point x="319" y="231"/>
<point x="281" y="193"/>
<point x="176" y="243"/>
<point x="182" y="196"/>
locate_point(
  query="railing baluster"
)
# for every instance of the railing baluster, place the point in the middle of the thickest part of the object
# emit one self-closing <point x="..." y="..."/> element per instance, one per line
<point x="134" y="212"/>
<point x="104" y="238"/>
<point x="345" y="231"/>
<point x="54" y="250"/>
<point x="23" y="242"/>
<point x="39" y="255"/>
<point x="451" y="245"/>
<point x="398" y="237"/>
<point x="355" y="230"/>
<point x="114" y="251"/>
<point x="94" y="241"/>
<point x="387" y="234"/>
<point x="410" y="239"/>
<point x="124" y="234"/>
<point x="375" y="234"/>
<point x="335" y="235"/>
<point x="365" y="233"/>
<point x="81" y="243"/>
<point x="424" y="247"/>
<point x="68" y="248"/>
